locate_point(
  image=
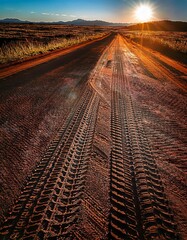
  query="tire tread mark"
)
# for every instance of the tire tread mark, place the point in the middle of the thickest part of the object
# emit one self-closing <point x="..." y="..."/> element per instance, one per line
<point x="150" y="209"/>
<point x="66" y="160"/>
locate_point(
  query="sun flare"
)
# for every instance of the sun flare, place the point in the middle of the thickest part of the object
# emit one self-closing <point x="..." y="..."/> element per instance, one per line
<point x="143" y="13"/>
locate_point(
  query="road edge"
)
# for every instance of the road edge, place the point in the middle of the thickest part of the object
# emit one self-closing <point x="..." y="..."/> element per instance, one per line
<point x="37" y="60"/>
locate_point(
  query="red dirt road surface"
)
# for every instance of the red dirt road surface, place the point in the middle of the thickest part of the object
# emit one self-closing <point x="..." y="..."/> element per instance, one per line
<point x="93" y="146"/>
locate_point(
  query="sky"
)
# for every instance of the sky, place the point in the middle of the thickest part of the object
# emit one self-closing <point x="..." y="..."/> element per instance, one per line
<point x="107" y="10"/>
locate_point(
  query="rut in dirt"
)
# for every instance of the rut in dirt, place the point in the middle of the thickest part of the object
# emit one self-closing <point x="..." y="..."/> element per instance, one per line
<point x="49" y="204"/>
<point x="140" y="209"/>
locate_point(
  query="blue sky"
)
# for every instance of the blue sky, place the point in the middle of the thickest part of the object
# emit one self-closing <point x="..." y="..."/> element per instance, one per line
<point x="108" y="10"/>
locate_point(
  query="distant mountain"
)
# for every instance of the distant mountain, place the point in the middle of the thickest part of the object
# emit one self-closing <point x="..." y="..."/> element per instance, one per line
<point x="81" y="22"/>
<point x="78" y="22"/>
<point x="164" y="25"/>
<point x="12" y="20"/>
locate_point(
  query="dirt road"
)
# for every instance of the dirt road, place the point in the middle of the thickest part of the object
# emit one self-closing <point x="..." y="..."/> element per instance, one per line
<point x="103" y="131"/>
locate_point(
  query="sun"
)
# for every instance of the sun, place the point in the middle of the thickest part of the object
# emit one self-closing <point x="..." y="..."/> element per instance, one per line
<point x="144" y="13"/>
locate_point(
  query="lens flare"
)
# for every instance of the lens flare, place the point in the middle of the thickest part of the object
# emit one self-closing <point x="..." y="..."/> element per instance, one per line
<point x="144" y="13"/>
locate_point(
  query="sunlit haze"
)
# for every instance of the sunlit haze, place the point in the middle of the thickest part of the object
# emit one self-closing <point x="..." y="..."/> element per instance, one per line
<point x="144" y="13"/>
<point x="107" y="10"/>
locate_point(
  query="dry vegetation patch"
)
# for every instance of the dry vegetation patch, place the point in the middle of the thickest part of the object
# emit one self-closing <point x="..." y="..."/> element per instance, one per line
<point x="18" y="41"/>
<point x="171" y="44"/>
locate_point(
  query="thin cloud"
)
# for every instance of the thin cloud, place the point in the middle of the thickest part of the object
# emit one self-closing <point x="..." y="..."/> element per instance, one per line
<point x="54" y="14"/>
<point x="57" y="14"/>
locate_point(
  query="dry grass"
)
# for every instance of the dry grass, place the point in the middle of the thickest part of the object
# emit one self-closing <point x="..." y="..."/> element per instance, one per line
<point x="172" y="44"/>
<point x="19" y="50"/>
<point x="18" y="43"/>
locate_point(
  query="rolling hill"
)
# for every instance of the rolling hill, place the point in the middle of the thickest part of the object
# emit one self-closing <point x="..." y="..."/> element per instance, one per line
<point x="165" y="25"/>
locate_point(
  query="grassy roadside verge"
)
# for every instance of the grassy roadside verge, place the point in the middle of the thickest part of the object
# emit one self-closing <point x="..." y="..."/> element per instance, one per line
<point x="172" y="45"/>
<point x="14" y="51"/>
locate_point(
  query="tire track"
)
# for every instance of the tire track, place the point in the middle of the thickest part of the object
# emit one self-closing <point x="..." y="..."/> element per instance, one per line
<point x="165" y="126"/>
<point x="140" y="209"/>
<point x="34" y="104"/>
<point x="50" y="202"/>
<point x="157" y="67"/>
<point x="123" y="215"/>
